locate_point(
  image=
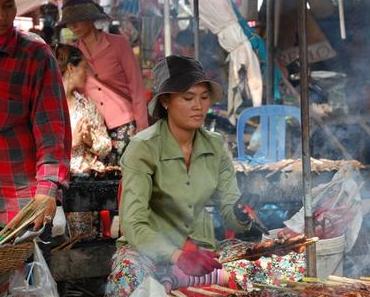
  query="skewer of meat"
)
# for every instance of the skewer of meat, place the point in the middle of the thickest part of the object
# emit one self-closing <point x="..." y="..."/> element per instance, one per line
<point x="268" y="247"/>
<point x="326" y="289"/>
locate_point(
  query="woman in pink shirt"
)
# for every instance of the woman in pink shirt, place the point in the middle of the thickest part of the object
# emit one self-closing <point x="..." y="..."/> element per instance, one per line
<point x="115" y="82"/>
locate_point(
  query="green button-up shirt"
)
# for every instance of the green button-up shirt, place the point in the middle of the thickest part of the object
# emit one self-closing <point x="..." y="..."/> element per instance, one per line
<point x="163" y="202"/>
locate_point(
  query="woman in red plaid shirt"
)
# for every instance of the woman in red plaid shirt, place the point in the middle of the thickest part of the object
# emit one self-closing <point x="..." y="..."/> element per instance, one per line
<point x="35" y="136"/>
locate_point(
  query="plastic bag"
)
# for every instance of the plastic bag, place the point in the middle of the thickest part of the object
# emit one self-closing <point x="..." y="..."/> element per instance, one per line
<point x="28" y="234"/>
<point x="59" y="223"/>
<point x="36" y="280"/>
<point x="337" y="208"/>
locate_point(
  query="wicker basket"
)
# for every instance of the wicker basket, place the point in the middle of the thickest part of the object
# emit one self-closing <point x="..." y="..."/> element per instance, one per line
<point x="13" y="256"/>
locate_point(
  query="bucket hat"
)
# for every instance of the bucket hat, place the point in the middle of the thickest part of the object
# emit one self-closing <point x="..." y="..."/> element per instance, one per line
<point x="176" y="74"/>
<point x="81" y="10"/>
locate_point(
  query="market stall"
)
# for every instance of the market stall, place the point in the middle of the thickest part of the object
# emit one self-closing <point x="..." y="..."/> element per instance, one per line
<point x="275" y="190"/>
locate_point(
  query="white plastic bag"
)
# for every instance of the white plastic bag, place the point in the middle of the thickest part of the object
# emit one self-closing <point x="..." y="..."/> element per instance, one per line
<point x="37" y="281"/>
<point x="337" y="202"/>
<point x="59" y="223"/>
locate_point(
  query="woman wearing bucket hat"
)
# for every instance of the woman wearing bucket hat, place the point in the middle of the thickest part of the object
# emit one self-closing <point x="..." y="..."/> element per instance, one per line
<point x="171" y="172"/>
<point x="115" y="81"/>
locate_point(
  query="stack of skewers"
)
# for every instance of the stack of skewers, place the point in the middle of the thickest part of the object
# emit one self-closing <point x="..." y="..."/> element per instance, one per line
<point x="334" y="286"/>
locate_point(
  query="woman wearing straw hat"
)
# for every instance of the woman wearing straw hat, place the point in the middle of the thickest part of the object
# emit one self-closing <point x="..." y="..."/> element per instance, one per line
<point x="171" y="171"/>
<point x="115" y="82"/>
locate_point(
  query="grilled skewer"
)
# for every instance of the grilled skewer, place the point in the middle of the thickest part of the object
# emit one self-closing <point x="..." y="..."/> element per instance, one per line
<point x="269" y="247"/>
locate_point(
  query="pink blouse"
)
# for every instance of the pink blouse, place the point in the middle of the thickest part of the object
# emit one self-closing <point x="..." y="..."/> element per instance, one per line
<point x="115" y="82"/>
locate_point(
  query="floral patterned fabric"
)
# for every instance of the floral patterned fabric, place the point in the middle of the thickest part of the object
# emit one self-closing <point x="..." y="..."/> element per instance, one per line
<point x="84" y="159"/>
<point x="129" y="269"/>
<point x="120" y="138"/>
<point x="267" y="270"/>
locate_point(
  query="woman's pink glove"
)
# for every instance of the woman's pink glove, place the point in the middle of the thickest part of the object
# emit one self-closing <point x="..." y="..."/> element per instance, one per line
<point x="197" y="262"/>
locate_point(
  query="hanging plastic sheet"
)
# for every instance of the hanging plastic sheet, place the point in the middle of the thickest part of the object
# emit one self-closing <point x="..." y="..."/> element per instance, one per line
<point x="258" y="45"/>
<point x="219" y="17"/>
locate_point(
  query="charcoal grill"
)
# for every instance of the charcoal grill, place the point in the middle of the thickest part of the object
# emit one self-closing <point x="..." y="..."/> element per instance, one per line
<point x="87" y="194"/>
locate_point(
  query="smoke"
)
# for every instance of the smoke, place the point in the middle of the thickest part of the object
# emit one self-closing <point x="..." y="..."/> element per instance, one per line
<point x="357" y="261"/>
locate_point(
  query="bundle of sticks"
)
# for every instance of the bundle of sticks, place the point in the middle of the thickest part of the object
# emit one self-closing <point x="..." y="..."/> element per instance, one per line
<point x="279" y="246"/>
<point x="23" y="219"/>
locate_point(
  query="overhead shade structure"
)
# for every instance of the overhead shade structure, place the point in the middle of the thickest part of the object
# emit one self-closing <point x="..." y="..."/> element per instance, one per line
<point x="218" y="16"/>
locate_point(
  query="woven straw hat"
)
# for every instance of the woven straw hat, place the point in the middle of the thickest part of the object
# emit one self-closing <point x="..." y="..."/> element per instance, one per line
<point x="81" y="10"/>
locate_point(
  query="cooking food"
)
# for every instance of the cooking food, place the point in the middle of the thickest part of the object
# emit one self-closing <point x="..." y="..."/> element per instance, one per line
<point x="279" y="246"/>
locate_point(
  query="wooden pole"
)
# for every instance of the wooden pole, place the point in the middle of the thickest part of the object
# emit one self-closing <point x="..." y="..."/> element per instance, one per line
<point x="278" y="5"/>
<point x="167" y="29"/>
<point x="305" y="126"/>
<point x="341" y="19"/>
<point x="196" y="28"/>
<point x="270" y="51"/>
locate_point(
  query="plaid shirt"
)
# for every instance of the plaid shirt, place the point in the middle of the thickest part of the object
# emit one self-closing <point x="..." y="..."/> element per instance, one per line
<point x="35" y="134"/>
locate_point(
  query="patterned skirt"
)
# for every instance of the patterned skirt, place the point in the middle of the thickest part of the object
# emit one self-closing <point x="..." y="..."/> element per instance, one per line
<point x="121" y="137"/>
<point x="129" y="269"/>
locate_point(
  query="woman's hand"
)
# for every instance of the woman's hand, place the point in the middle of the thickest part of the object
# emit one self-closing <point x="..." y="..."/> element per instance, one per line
<point x="198" y="263"/>
<point x="194" y="261"/>
<point x="82" y="133"/>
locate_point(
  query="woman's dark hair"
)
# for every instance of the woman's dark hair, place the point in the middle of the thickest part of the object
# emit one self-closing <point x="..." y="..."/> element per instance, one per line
<point x="67" y="54"/>
<point x="161" y="111"/>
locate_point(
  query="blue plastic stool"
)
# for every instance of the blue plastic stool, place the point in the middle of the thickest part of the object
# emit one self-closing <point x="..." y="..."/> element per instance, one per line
<point x="272" y="128"/>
